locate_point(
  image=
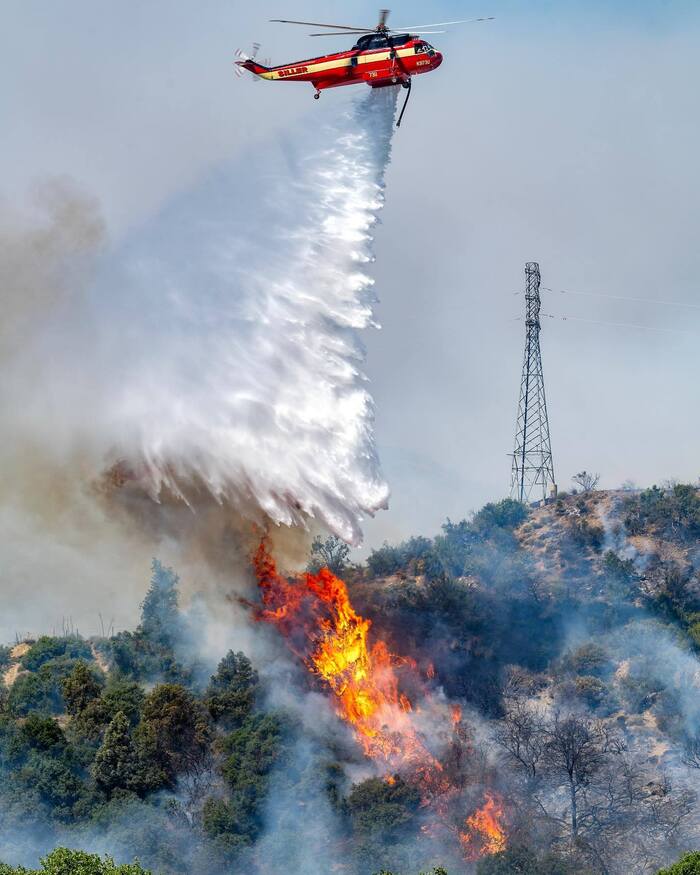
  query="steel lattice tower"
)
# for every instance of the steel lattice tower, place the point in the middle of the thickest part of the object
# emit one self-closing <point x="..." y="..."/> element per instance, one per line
<point x="533" y="468"/>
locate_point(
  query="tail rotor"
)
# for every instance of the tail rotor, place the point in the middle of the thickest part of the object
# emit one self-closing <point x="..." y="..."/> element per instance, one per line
<point x="244" y="56"/>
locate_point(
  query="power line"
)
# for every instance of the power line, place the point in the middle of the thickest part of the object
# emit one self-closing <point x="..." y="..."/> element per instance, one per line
<point x="620" y="324"/>
<point x="623" y="298"/>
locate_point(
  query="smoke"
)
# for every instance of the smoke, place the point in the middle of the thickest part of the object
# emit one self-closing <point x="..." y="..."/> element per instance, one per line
<point x="207" y="372"/>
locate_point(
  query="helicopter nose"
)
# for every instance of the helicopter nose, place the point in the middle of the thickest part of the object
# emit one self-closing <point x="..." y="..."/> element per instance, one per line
<point x="437" y="60"/>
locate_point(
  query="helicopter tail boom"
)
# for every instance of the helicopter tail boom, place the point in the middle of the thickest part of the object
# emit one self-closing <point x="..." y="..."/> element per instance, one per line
<point x="253" y="66"/>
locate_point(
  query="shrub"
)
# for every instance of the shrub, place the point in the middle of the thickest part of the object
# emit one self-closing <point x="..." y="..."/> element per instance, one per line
<point x="42" y="733"/>
<point x="46" y="649"/>
<point x="506" y="514"/>
<point x="5" y="657"/>
<point x="591" y="689"/>
<point x="65" y="862"/>
<point x="388" y="559"/>
<point x="34" y="693"/>
<point x="687" y="865"/>
<point x="589" y="659"/>
<point x="587" y="534"/>
<point x="376" y="806"/>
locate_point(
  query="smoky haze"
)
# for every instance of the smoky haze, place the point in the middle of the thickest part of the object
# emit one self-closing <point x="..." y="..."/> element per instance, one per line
<point x="200" y="382"/>
<point x="561" y="135"/>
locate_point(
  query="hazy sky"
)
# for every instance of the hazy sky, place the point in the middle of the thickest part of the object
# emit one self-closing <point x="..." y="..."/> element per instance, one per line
<point x="566" y="133"/>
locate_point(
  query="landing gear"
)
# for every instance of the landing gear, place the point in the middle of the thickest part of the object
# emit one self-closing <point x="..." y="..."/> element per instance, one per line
<point x="317" y="95"/>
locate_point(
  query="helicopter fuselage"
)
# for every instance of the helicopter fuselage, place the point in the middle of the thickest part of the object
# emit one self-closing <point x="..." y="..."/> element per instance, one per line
<point x="376" y="59"/>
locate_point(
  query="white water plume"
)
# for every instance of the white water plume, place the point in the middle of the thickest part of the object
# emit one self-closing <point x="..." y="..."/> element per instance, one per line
<point x="220" y="346"/>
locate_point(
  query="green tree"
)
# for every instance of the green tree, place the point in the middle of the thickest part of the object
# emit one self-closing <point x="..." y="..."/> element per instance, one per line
<point x="230" y="695"/>
<point x="331" y="553"/>
<point x="47" y="648"/>
<point x="377" y="807"/>
<point x="35" y="693"/>
<point x="5" y="656"/>
<point x="160" y="616"/>
<point x="251" y="752"/>
<point x="174" y="734"/>
<point x="115" y="763"/>
<point x="65" y="862"/>
<point x="80" y="688"/>
<point x="42" y="733"/>
<point x="687" y="865"/>
<point x="505" y="514"/>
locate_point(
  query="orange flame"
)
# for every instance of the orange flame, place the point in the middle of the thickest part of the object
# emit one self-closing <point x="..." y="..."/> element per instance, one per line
<point x="316" y="617"/>
<point x="314" y="614"/>
<point x="485" y="832"/>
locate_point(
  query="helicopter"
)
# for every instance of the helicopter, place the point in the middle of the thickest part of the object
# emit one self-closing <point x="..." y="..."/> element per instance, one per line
<point x="380" y="57"/>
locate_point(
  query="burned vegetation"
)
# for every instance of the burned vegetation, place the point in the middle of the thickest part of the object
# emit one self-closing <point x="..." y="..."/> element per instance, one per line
<point x="518" y="694"/>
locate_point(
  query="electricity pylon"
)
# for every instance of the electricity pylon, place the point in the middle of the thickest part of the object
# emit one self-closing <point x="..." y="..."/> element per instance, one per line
<point x="533" y="468"/>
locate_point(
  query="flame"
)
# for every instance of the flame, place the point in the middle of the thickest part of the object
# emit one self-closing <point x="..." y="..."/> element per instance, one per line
<point x="314" y="614"/>
<point x="316" y="617"/>
<point x="485" y="833"/>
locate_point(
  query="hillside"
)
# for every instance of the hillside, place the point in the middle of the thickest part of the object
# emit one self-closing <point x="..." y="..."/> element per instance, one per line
<point x="564" y="639"/>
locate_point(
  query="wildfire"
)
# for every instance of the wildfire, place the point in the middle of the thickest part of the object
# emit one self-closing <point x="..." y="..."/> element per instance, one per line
<point x="485" y="833"/>
<point x="316" y="617"/>
<point x="314" y="614"/>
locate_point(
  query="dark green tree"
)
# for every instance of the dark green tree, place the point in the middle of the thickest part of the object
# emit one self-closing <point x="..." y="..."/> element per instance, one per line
<point x="47" y="648"/>
<point x="251" y="752"/>
<point x="115" y="763"/>
<point x="35" y="693"/>
<point x="376" y="806"/>
<point x="80" y="688"/>
<point x="42" y="733"/>
<point x="174" y="734"/>
<point x="230" y="695"/>
<point x="687" y="865"/>
<point x="160" y="617"/>
<point x="65" y="862"/>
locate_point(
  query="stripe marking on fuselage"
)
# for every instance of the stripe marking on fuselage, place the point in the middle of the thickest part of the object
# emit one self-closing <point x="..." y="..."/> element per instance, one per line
<point x="294" y="70"/>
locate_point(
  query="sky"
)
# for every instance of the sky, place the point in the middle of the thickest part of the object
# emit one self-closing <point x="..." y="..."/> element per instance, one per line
<point x="564" y="133"/>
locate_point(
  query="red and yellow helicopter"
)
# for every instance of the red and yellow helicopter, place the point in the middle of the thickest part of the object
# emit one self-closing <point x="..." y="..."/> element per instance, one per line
<point x="382" y="56"/>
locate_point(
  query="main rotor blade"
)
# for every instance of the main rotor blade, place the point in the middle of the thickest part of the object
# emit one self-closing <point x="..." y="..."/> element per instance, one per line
<point x="319" y="24"/>
<point x="343" y="33"/>
<point x="350" y="32"/>
<point x="440" y="24"/>
<point x="383" y="15"/>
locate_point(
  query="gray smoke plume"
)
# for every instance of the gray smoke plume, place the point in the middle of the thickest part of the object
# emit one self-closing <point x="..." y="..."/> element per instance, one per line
<point x="199" y="383"/>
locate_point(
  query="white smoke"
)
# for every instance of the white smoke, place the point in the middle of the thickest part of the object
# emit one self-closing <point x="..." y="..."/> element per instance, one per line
<point x="220" y="347"/>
